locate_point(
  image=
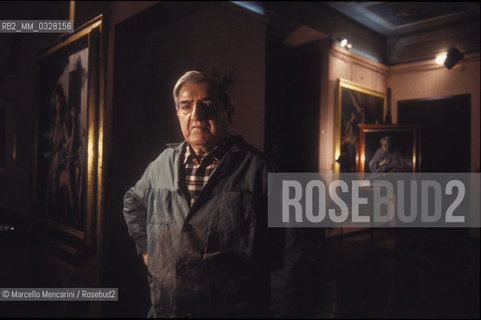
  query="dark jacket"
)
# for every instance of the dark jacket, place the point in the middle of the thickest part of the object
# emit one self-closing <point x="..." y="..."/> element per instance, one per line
<point x="218" y="258"/>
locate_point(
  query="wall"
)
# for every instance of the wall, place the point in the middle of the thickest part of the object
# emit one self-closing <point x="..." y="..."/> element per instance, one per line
<point x="427" y="80"/>
<point x="239" y="50"/>
<point x="342" y="63"/>
<point x="408" y="81"/>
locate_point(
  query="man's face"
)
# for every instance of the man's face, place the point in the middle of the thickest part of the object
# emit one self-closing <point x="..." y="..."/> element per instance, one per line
<point x="385" y="146"/>
<point x="202" y="116"/>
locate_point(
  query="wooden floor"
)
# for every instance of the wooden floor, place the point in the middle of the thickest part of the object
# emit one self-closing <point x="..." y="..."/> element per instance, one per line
<point x="396" y="273"/>
<point x="378" y="273"/>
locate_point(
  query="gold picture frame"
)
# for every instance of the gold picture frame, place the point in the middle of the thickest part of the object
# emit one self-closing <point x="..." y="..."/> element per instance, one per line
<point x="69" y="134"/>
<point x="404" y="151"/>
<point x="355" y="105"/>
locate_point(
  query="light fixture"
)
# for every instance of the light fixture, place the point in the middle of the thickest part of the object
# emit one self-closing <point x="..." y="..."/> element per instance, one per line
<point x="344" y="43"/>
<point x="440" y="58"/>
<point x="454" y="56"/>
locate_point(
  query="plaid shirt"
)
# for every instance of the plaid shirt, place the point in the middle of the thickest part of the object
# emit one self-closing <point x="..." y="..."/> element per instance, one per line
<point x="199" y="168"/>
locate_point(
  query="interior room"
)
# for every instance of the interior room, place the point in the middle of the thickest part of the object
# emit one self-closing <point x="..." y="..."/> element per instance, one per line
<point x="311" y="83"/>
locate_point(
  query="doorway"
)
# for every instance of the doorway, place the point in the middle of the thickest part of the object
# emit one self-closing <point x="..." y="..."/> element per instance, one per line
<point x="445" y="131"/>
<point x="292" y="105"/>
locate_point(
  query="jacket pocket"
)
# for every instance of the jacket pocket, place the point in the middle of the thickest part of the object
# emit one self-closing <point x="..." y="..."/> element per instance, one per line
<point x="232" y="224"/>
<point x="227" y="255"/>
<point x="160" y="200"/>
<point x="234" y="209"/>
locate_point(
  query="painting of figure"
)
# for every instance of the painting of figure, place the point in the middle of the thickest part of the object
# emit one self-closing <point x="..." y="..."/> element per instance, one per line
<point x="62" y="131"/>
<point x="356" y="106"/>
<point x="388" y="149"/>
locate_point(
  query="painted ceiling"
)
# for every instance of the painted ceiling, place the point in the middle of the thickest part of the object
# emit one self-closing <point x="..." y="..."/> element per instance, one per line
<point x="397" y="18"/>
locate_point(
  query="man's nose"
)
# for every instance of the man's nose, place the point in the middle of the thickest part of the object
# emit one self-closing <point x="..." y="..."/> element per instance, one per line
<point x="199" y="112"/>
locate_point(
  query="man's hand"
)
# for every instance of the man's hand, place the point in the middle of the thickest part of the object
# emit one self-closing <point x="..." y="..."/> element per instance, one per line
<point x="144" y="255"/>
<point x="384" y="162"/>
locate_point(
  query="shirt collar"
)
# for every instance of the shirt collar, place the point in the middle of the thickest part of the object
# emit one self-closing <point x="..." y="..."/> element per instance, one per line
<point x="216" y="153"/>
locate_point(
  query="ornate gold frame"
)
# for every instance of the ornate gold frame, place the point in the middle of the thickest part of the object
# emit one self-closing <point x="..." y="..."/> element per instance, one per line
<point x="343" y="83"/>
<point x="389" y="129"/>
<point x="92" y="201"/>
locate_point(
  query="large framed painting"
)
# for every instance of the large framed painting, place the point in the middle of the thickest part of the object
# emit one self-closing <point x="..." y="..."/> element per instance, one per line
<point x="356" y="105"/>
<point x="388" y="149"/>
<point x="68" y="129"/>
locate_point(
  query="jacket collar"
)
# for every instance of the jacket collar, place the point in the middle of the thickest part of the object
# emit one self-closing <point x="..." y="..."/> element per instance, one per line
<point x="235" y="147"/>
<point x="233" y="143"/>
<point x="177" y="146"/>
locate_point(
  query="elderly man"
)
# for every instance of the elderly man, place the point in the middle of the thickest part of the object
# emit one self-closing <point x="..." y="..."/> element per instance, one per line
<point x="386" y="159"/>
<point x="198" y="215"/>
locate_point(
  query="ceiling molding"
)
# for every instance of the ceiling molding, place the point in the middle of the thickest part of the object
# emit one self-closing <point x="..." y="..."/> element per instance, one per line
<point x="429" y="65"/>
<point x="355" y="58"/>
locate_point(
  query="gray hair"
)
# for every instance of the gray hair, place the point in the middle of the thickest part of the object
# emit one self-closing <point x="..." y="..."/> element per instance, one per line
<point x="386" y="139"/>
<point x="197" y="77"/>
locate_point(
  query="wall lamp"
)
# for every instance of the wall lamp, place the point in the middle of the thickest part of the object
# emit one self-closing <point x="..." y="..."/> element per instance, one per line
<point x="440" y="58"/>
<point x="344" y="43"/>
<point x="449" y="59"/>
<point x="453" y="57"/>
